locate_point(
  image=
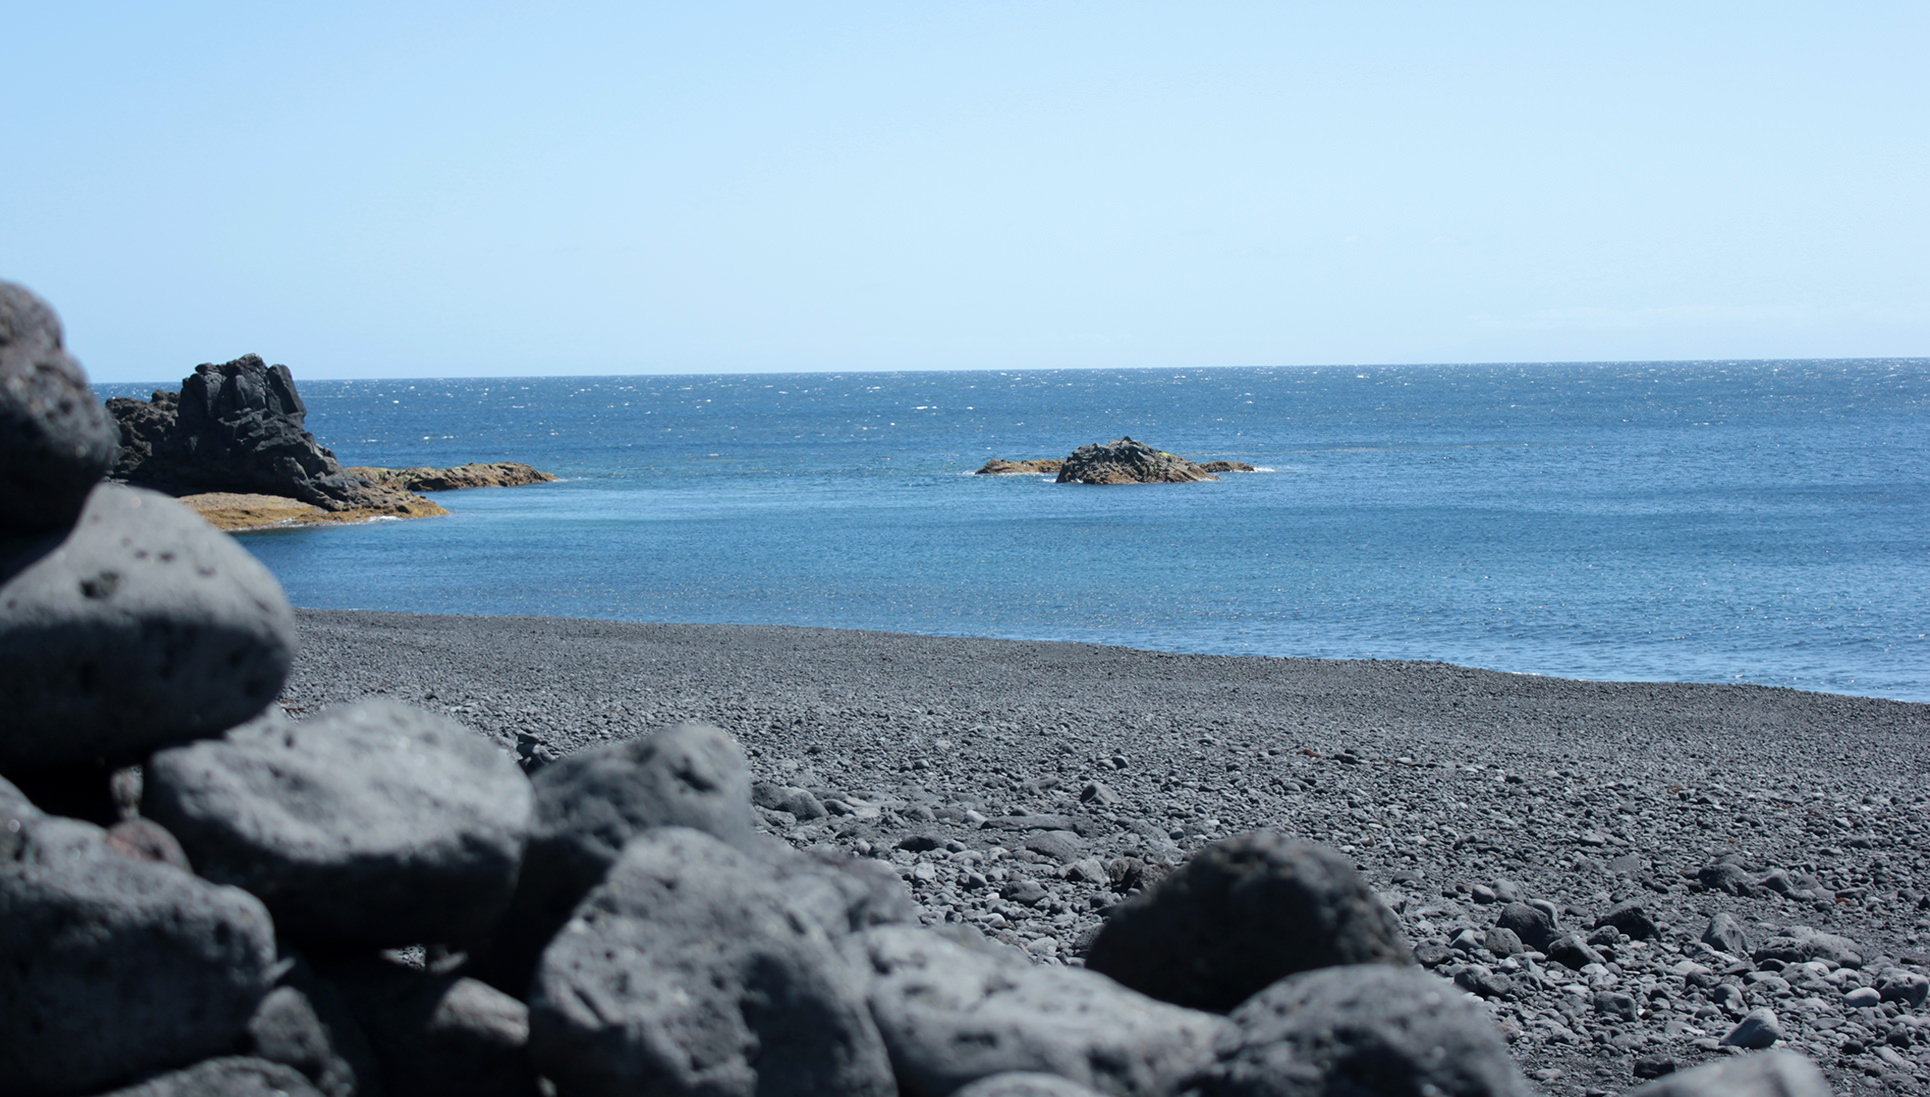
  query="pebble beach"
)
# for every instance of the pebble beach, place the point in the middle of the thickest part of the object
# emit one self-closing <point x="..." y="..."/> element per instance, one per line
<point x="1024" y="788"/>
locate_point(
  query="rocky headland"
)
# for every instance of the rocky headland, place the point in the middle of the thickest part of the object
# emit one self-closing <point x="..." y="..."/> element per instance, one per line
<point x="247" y="850"/>
<point x="233" y="445"/>
<point x="1122" y="461"/>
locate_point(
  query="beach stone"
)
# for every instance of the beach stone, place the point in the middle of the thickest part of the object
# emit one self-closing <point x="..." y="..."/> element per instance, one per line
<point x="436" y="1033"/>
<point x="1759" y="1028"/>
<point x="303" y="1023"/>
<point x="147" y="840"/>
<point x="1063" y="846"/>
<point x="1362" y="1029"/>
<point x="1767" y="1074"/>
<point x="1726" y="934"/>
<point x="1534" y="925"/>
<point x="1570" y="950"/>
<point x="842" y="893"/>
<point x="1242" y="913"/>
<point x="56" y="440"/>
<point x="589" y="805"/>
<point x="951" y="1015"/>
<point x="116" y="968"/>
<point x="1801" y="944"/>
<point x="1025" y="1083"/>
<point x="140" y="627"/>
<point x="687" y="971"/>
<point x="1631" y="917"/>
<point x="799" y="802"/>
<point x="374" y="824"/>
<point x="230" y="1076"/>
<point x="1911" y="988"/>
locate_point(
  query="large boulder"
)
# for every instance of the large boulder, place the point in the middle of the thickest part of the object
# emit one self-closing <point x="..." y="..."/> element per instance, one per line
<point x="140" y="627"/>
<point x="228" y="1076"/>
<point x="1766" y="1074"/>
<point x="237" y="427"/>
<point x="687" y="971"/>
<point x="951" y="1015"/>
<point x="55" y="440"/>
<point x="1124" y="461"/>
<point x="436" y="1033"/>
<point x="589" y="805"/>
<point x="374" y="824"/>
<point x="117" y="968"/>
<point x="1241" y="914"/>
<point x="1363" y="1029"/>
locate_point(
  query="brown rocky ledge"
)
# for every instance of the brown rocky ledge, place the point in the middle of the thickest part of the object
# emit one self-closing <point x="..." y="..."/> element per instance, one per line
<point x="1000" y="467"/>
<point x="237" y="511"/>
<point x="496" y="474"/>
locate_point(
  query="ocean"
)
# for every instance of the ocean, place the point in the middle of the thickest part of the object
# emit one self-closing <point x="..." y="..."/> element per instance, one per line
<point x="1758" y="522"/>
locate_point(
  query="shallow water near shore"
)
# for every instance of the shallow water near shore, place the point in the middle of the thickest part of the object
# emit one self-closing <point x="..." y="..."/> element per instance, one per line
<point x="1746" y="522"/>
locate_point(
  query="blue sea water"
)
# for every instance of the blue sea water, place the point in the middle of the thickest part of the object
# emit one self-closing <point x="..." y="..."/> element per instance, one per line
<point x="1764" y="522"/>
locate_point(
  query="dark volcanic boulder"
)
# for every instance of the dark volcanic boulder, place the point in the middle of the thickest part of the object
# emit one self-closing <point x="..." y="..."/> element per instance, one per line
<point x="1366" y="1029"/>
<point x="951" y="1015"/>
<point x="589" y="805"/>
<point x="236" y="427"/>
<point x="55" y="441"/>
<point x="1243" y="913"/>
<point x="687" y="971"/>
<point x="141" y="627"/>
<point x="1124" y="461"/>
<point x="231" y="1076"/>
<point x="373" y="824"/>
<point x="1765" y="1074"/>
<point x="116" y="968"/>
<point x="436" y="1033"/>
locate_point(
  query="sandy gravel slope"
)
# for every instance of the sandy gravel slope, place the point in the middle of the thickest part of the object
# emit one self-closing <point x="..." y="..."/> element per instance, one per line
<point x="1455" y="790"/>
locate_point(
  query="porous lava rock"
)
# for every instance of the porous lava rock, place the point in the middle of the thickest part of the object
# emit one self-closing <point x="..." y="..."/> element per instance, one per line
<point x="237" y="427"/>
<point x="1125" y="461"/>
<point x="588" y="805"/>
<point x="687" y="972"/>
<point x="138" y="627"/>
<point x="376" y="824"/>
<point x="495" y="474"/>
<point x="1025" y="1083"/>
<point x="55" y="440"/>
<point x="951" y="1015"/>
<point x="1245" y="912"/>
<point x="1362" y="1029"/>
<point x="1764" y="1074"/>
<point x="436" y="1033"/>
<point x="116" y="968"/>
<point x="304" y="1023"/>
<point x="228" y="1076"/>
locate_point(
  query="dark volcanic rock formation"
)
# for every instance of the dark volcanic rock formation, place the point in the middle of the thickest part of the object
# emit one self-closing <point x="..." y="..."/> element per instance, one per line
<point x="236" y="427"/>
<point x="496" y="474"/>
<point x="1000" y="467"/>
<point x="1124" y="461"/>
<point x="55" y="442"/>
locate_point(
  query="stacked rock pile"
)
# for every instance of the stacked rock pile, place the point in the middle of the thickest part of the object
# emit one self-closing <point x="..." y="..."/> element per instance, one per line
<point x="613" y="923"/>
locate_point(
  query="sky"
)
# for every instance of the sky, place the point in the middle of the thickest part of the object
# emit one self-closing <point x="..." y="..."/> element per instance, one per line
<point x="475" y="189"/>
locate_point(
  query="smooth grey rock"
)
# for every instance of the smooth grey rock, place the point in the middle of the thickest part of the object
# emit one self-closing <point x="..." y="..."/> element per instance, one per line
<point x="1909" y="987"/>
<point x="799" y="802"/>
<point x="1801" y="944"/>
<point x="373" y="824"/>
<point x="1726" y="934"/>
<point x="140" y="627"/>
<point x="688" y="972"/>
<point x="230" y="1076"/>
<point x="303" y="1023"/>
<point x="115" y="968"/>
<point x="1534" y="925"/>
<point x="588" y="805"/>
<point x="147" y="840"/>
<point x="1025" y="1083"/>
<point x="436" y="1033"/>
<point x="1758" y="1029"/>
<point x="1063" y="846"/>
<point x="1363" y="1029"/>
<point x="842" y="893"/>
<point x="1768" y="1074"/>
<point x="1243" y="913"/>
<point x="951" y="1015"/>
<point x="55" y="439"/>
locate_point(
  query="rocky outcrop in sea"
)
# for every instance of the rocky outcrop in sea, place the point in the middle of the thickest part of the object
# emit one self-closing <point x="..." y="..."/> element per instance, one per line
<point x="1124" y="461"/>
<point x="495" y="474"/>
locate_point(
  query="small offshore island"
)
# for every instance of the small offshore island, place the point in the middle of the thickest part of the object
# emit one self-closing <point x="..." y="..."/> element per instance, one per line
<point x="1120" y="461"/>
<point x="233" y="446"/>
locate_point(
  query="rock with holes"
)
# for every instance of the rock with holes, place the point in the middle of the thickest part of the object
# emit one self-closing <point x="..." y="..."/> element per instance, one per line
<point x="230" y="1076"/>
<point x="140" y="627"/>
<point x="687" y="971"/>
<point x="953" y="1014"/>
<point x="1766" y="1074"/>
<point x="1362" y="1029"/>
<point x="1025" y="1083"/>
<point x="589" y="805"/>
<point x="1244" y="912"/>
<point x="374" y="824"/>
<point x="55" y="438"/>
<point x="116" y="968"/>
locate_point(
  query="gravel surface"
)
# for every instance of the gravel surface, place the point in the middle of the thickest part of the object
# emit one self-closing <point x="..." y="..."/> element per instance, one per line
<point x="1026" y="787"/>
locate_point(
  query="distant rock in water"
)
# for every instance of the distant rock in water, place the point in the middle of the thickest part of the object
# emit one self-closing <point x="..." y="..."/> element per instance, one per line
<point x="498" y="474"/>
<point x="1000" y="467"/>
<point x="238" y="427"/>
<point x="1124" y="461"/>
<point x="1227" y="466"/>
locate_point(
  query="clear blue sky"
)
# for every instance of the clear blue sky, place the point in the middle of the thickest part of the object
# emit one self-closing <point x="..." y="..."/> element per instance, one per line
<point x="470" y="189"/>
